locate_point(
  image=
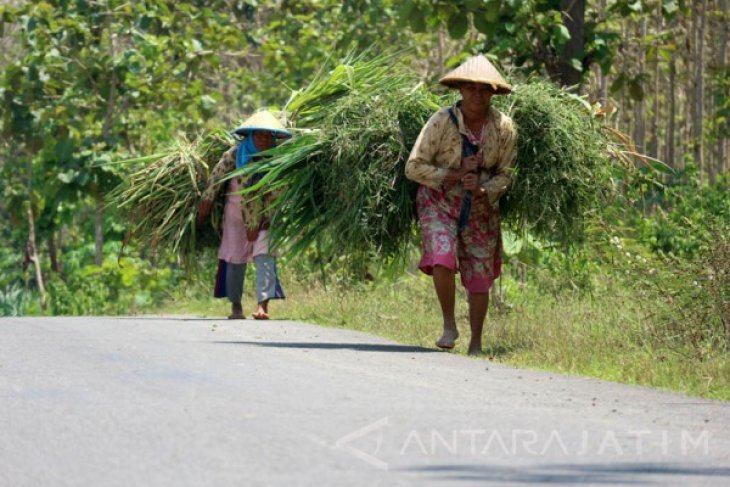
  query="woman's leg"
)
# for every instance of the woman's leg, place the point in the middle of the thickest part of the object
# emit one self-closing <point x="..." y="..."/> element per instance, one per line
<point x="235" y="274"/>
<point x="443" y="282"/>
<point x="265" y="284"/>
<point x="437" y="214"/>
<point x="480" y="263"/>
<point x="263" y="308"/>
<point x="478" y="306"/>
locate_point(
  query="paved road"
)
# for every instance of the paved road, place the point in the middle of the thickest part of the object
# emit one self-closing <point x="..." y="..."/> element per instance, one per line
<point x="148" y="401"/>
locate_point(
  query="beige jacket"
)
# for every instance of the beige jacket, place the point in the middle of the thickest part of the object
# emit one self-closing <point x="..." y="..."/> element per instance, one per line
<point x="438" y="149"/>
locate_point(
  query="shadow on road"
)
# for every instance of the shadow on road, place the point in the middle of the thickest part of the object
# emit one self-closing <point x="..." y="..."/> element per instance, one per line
<point x="361" y="347"/>
<point x="164" y="318"/>
<point x="621" y="473"/>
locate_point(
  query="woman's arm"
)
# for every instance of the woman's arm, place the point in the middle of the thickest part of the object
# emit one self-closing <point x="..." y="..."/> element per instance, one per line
<point x="420" y="166"/>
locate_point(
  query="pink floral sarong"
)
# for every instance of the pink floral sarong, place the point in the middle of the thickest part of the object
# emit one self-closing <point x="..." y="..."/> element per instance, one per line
<point x="475" y="252"/>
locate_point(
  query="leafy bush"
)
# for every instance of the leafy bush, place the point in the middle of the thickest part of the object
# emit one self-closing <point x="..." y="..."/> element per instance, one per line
<point x="695" y="297"/>
<point x="13" y="301"/>
<point x="113" y="289"/>
<point x="682" y="224"/>
<point x="11" y="265"/>
<point x="686" y="300"/>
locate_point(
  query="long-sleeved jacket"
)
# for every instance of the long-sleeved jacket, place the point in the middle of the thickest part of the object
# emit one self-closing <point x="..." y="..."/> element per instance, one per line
<point x="438" y="149"/>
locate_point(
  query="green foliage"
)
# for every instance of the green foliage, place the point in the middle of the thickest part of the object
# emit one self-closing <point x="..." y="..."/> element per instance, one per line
<point x="686" y="302"/>
<point x="92" y="71"/>
<point x="530" y="33"/>
<point x="129" y="286"/>
<point x="11" y="264"/>
<point x="695" y="298"/>
<point x="634" y="84"/>
<point x="721" y="95"/>
<point x="87" y="77"/>
<point x="89" y="82"/>
<point x="686" y="218"/>
<point x="13" y="301"/>
<point x="301" y="36"/>
<point x="670" y="8"/>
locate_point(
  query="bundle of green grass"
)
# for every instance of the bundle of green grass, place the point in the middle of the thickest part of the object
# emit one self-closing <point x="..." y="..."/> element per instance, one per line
<point x="341" y="179"/>
<point x="160" y="195"/>
<point x="565" y="163"/>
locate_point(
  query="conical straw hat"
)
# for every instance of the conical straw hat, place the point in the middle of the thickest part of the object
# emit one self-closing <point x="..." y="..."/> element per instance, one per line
<point x="477" y="69"/>
<point x="263" y="120"/>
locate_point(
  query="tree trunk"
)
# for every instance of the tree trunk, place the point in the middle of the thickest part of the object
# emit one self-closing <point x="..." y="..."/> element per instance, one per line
<point x="111" y="100"/>
<point x="53" y="253"/>
<point x="699" y="92"/>
<point x="62" y="236"/>
<point x="640" y="105"/>
<point x="721" y="144"/>
<point x="106" y="135"/>
<point x="603" y="80"/>
<point x="603" y="87"/>
<point x="654" y="144"/>
<point x="671" y="129"/>
<point x="98" y="226"/>
<point x="679" y="67"/>
<point x="439" y="53"/>
<point x="625" y="101"/>
<point x="32" y="255"/>
<point x="573" y="12"/>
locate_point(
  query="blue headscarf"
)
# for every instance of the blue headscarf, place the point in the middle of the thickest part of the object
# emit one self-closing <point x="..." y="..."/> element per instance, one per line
<point x="246" y="150"/>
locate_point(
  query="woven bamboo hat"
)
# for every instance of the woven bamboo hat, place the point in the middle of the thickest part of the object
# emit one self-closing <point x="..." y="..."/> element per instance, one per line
<point x="477" y="69"/>
<point x="263" y="120"/>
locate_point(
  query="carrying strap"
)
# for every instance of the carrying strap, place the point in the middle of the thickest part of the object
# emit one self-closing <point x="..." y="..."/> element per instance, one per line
<point x="467" y="148"/>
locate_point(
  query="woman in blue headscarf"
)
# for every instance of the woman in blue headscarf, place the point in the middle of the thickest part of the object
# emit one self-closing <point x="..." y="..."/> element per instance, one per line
<point x="245" y="228"/>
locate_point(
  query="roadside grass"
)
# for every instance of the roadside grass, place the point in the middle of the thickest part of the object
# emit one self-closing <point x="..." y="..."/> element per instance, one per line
<point x="603" y="335"/>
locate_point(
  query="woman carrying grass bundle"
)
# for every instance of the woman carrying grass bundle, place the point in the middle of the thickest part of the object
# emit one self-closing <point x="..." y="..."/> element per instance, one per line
<point x="462" y="159"/>
<point x="245" y="227"/>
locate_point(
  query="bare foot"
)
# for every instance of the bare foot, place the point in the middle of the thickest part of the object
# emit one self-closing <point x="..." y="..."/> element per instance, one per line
<point x="260" y="315"/>
<point x="448" y="338"/>
<point x="475" y="349"/>
<point x="262" y="311"/>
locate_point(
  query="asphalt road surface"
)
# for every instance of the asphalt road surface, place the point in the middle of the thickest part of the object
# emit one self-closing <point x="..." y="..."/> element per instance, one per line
<point x="151" y="401"/>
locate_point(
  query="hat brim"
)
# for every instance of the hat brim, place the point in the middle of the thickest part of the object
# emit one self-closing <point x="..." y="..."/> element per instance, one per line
<point x="243" y="131"/>
<point x="497" y="87"/>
